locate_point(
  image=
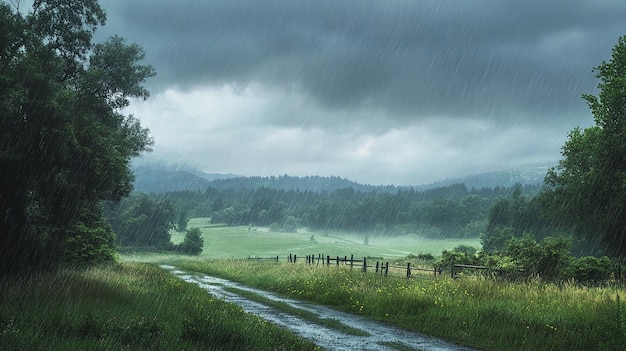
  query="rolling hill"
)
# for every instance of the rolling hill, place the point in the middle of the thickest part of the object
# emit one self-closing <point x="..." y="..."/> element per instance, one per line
<point x="160" y="180"/>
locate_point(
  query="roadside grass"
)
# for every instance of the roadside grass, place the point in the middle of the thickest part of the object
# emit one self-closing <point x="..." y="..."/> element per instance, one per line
<point x="397" y="345"/>
<point x="481" y="313"/>
<point x="127" y="307"/>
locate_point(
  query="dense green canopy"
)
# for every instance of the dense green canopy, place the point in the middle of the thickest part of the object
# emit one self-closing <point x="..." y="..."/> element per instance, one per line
<point x="64" y="144"/>
<point x="588" y="187"/>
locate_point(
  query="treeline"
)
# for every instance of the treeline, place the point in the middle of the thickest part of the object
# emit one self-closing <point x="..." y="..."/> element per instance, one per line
<point x="450" y="211"/>
<point x="303" y="184"/>
<point x="142" y="222"/>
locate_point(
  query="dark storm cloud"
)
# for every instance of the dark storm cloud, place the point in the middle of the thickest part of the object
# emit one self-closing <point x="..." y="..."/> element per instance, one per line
<point x="410" y="57"/>
<point x="386" y="91"/>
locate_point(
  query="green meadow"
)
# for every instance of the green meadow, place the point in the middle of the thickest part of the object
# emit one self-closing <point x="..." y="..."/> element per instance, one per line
<point x="242" y="241"/>
<point x="135" y="305"/>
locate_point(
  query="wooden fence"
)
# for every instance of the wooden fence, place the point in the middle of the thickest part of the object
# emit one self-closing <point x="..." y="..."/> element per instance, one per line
<point x="381" y="267"/>
<point x="263" y="258"/>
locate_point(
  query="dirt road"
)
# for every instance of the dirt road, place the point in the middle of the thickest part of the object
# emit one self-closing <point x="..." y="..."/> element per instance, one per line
<point x="327" y="338"/>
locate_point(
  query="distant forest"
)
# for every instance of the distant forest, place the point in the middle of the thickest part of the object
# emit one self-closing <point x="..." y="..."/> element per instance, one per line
<point x="496" y="215"/>
<point x="452" y="211"/>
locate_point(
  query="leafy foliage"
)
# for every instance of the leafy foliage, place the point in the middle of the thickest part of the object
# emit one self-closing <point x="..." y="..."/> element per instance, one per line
<point x="514" y="217"/>
<point x="192" y="243"/>
<point x="142" y="221"/>
<point x="64" y="145"/>
<point x="587" y="188"/>
<point x="591" y="269"/>
<point x="90" y="240"/>
<point x="549" y="259"/>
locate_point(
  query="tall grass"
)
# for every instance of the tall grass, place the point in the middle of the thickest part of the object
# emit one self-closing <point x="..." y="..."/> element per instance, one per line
<point x="127" y="307"/>
<point x="486" y="314"/>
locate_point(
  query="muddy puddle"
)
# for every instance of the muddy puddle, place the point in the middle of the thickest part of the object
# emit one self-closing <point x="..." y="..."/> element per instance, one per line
<point x="327" y="338"/>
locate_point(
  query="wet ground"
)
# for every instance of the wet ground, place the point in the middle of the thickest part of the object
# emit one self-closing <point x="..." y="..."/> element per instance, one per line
<point x="327" y="338"/>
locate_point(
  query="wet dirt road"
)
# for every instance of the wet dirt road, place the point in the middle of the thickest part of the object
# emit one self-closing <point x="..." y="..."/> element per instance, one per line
<point x="327" y="338"/>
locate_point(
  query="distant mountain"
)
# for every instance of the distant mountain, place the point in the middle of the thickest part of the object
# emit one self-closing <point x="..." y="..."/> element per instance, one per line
<point x="214" y="176"/>
<point x="153" y="180"/>
<point x="286" y="182"/>
<point x="530" y="175"/>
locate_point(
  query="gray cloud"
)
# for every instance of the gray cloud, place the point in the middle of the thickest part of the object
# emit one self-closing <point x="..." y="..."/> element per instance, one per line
<point x="334" y="74"/>
<point x="445" y="57"/>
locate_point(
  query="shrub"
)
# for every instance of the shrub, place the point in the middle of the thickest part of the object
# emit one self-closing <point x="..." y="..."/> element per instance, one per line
<point x="88" y="246"/>
<point x="549" y="259"/>
<point x="443" y="264"/>
<point x="465" y="249"/>
<point x="425" y="257"/>
<point x="591" y="269"/>
<point x="192" y="243"/>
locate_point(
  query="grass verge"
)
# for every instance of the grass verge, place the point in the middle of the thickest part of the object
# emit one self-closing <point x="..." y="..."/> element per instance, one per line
<point x="126" y="307"/>
<point x="484" y="314"/>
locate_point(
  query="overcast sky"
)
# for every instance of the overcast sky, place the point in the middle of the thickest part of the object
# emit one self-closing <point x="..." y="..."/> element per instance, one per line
<point x="379" y="92"/>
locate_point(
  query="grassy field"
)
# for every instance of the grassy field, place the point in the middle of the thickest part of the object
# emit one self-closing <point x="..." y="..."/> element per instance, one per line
<point x="485" y="314"/>
<point x="137" y="305"/>
<point x="129" y="306"/>
<point x="242" y="241"/>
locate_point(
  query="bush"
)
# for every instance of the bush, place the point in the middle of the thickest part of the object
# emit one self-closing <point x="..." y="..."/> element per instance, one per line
<point x="551" y="259"/>
<point x="443" y="264"/>
<point x="89" y="246"/>
<point x="465" y="249"/>
<point x="425" y="257"/>
<point x="192" y="243"/>
<point x="495" y="239"/>
<point x="591" y="269"/>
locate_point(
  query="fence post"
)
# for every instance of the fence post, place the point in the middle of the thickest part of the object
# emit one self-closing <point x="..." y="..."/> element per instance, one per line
<point x="376" y="266"/>
<point x="452" y="268"/>
<point x="337" y="260"/>
<point x="351" y="261"/>
<point x="328" y="260"/>
<point x="294" y="258"/>
<point x="386" y="268"/>
<point x="364" y="264"/>
<point x="408" y="270"/>
<point x="276" y="258"/>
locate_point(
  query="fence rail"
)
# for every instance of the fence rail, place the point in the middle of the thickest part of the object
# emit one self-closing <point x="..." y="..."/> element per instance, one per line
<point x="405" y="271"/>
<point x="380" y="267"/>
<point x="263" y="258"/>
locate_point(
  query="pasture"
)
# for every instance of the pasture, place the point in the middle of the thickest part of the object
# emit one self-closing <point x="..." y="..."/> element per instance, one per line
<point x="242" y="241"/>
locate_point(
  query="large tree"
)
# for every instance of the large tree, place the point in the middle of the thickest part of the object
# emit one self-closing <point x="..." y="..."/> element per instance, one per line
<point x="65" y="146"/>
<point x="588" y="187"/>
